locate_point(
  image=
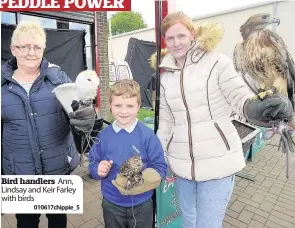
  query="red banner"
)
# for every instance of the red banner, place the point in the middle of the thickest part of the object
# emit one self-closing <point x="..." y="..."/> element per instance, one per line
<point x="65" y="5"/>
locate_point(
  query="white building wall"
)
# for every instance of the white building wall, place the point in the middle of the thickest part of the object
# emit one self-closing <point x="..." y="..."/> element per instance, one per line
<point x="231" y="23"/>
<point x="231" y="20"/>
<point x="286" y="13"/>
<point x="118" y="44"/>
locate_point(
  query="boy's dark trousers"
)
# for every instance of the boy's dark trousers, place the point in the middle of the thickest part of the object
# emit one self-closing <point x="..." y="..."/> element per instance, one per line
<point x="32" y="220"/>
<point x="124" y="217"/>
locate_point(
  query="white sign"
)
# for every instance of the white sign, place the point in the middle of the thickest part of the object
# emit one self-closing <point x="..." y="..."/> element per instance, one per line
<point x="41" y="194"/>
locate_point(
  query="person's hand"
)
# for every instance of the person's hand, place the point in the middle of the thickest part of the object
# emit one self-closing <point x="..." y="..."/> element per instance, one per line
<point x="83" y="118"/>
<point x="151" y="180"/>
<point x="104" y="168"/>
<point x="260" y="112"/>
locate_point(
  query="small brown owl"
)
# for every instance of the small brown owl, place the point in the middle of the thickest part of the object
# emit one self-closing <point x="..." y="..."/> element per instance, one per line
<point x="131" y="169"/>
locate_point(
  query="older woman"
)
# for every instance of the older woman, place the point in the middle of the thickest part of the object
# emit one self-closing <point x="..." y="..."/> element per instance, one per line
<point x="36" y="134"/>
<point x="199" y="90"/>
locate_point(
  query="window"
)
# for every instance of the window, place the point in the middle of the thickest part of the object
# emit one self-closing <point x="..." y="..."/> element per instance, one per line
<point x="62" y="25"/>
<point x="8" y="18"/>
<point x="88" y="42"/>
<point x="45" y="22"/>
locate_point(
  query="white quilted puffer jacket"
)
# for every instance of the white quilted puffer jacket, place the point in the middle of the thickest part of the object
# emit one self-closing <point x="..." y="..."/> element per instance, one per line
<point x="196" y="102"/>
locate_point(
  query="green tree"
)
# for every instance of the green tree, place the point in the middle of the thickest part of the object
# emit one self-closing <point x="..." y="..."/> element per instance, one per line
<point x="122" y="22"/>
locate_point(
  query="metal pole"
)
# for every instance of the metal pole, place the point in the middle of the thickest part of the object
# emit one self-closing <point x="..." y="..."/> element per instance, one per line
<point x="97" y="70"/>
<point x="161" y="11"/>
<point x="158" y="14"/>
<point x="158" y="46"/>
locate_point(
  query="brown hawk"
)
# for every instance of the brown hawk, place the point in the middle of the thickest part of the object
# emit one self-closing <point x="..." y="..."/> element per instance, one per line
<point x="264" y="56"/>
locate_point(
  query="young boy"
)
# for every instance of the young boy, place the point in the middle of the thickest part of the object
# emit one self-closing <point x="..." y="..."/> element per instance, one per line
<point x="126" y="138"/>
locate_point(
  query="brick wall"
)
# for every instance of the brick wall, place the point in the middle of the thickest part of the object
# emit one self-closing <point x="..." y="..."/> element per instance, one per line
<point x="102" y="33"/>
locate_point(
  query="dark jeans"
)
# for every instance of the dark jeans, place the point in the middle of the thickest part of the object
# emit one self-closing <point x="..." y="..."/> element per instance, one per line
<point x="140" y="216"/>
<point x="32" y="220"/>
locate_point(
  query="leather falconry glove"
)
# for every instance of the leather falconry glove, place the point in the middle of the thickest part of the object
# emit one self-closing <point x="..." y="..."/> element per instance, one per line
<point x="151" y="180"/>
<point x="83" y="118"/>
<point x="261" y="112"/>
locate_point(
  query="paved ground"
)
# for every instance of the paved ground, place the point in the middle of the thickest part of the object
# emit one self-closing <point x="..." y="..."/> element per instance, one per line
<point x="268" y="202"/>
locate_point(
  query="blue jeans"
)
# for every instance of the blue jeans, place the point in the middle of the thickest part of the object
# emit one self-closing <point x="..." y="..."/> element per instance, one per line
<point x="203" y="204"/>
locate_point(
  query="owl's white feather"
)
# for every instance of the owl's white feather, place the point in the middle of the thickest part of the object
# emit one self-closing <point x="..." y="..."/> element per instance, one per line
<point x="87" y="83"/>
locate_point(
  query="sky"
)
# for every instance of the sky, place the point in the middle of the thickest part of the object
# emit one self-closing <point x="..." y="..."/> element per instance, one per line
<point x="193" y="8"/>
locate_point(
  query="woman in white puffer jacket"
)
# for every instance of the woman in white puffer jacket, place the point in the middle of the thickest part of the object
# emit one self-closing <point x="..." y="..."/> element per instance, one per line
<point x="199" y="91"/>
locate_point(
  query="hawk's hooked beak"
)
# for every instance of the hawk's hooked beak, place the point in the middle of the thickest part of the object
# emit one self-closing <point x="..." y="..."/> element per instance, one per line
<point x="276" y="20"/>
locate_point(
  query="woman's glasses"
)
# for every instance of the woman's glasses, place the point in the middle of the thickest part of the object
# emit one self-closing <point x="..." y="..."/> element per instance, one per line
<point x="27" y="48"/>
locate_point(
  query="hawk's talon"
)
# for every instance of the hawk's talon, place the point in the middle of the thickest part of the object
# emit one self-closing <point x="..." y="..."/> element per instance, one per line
<point x="264" y="94"/>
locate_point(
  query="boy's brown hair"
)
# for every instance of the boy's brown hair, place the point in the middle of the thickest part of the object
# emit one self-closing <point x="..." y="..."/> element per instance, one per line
<point x="127" y="88"/>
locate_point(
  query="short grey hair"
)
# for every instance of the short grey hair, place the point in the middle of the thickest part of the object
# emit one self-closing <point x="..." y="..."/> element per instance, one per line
<point x="33" y="28"/>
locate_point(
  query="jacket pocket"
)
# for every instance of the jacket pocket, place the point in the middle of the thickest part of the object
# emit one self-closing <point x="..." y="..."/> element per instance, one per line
<point x="169" y="142"/>
<point x="222" y="136"/>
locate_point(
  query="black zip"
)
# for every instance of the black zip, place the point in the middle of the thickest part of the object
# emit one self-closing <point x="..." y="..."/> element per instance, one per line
<point x="168" y="144"/>
<point x="190" y="140"/>
<point x="216" y="124"/>
<point x="222" y="136"/>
